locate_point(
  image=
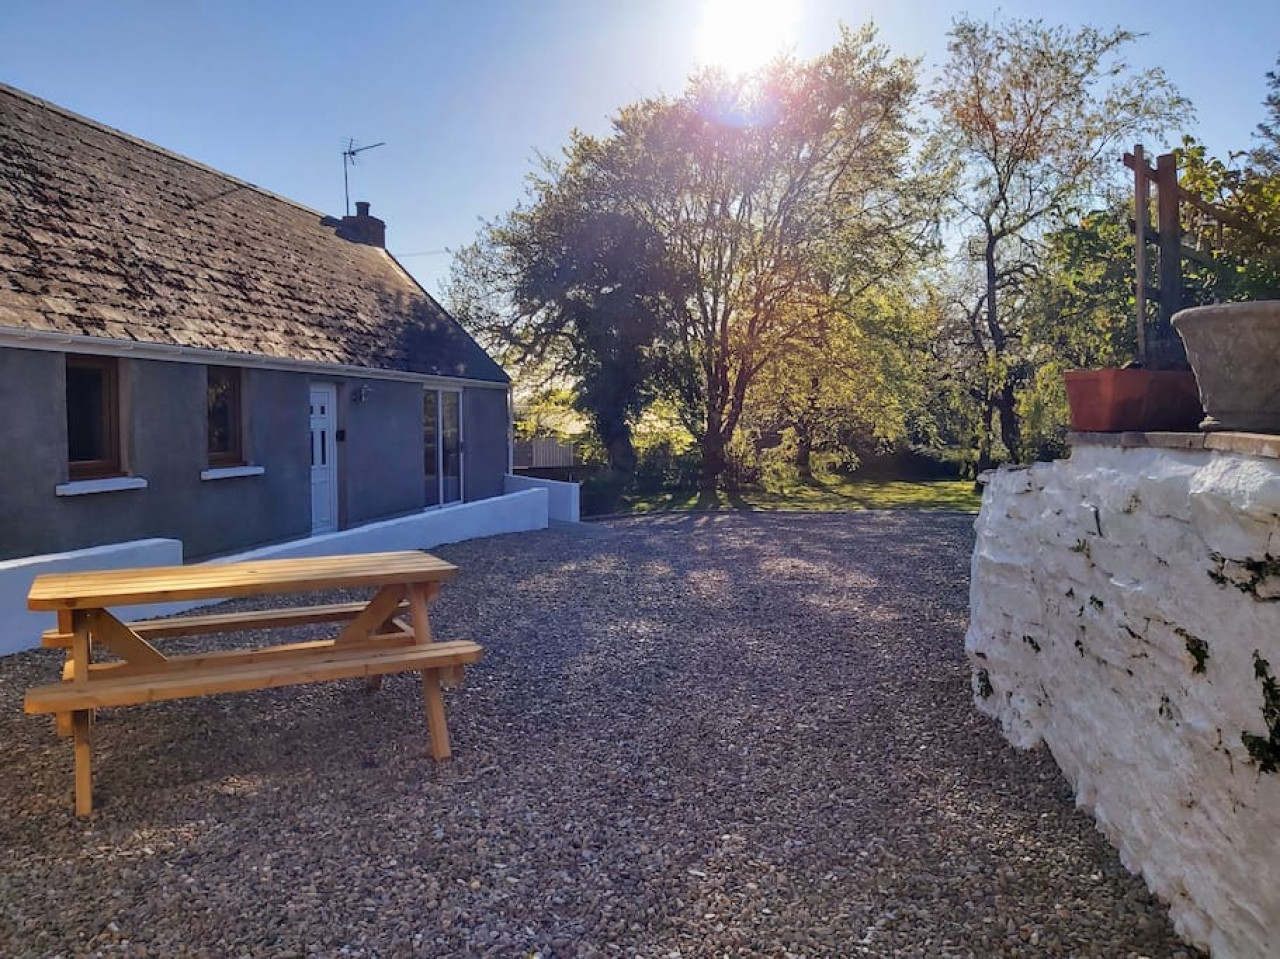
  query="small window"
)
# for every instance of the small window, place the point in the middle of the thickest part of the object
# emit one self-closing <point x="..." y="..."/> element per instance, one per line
<point x="223" y="402"/>
<point x="93" y="417"/>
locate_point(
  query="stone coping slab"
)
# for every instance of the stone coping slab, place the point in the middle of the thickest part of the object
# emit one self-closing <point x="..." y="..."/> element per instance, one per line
<point x="1248" y="444"/>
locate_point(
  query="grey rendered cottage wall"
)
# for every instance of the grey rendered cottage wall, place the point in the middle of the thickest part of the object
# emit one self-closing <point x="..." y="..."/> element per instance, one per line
<point x="34" y="450"/>
<point x="163" y="415"/>
<point x="163" y="440"/>
<point x="380" y="457"/>
<point x="485" y="428"/>
<point x="381" y="454"/>
<point x="165" y="412"/>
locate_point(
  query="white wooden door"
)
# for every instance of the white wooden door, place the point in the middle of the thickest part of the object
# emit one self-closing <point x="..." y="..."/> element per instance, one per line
<point x="324" y="458"/>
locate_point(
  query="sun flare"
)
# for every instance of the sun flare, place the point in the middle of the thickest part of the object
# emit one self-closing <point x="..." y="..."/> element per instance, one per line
<point x="739" y="36"/>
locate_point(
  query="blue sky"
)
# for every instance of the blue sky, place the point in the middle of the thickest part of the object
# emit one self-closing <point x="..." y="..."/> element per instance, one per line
<point x="467" y="92"/>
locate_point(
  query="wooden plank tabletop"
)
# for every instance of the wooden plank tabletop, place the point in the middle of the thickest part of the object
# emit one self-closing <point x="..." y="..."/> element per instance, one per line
<point x="151" y="584"/>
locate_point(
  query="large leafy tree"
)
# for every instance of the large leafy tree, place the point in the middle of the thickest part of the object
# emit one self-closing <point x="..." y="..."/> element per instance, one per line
<point x="1033" y="118"/>
<point x="573" y="287"/>
<point x="1080" y="313"/>
<point x="1081" y="305"/>
<point x="759" y="208"/>
<point x="786" y="195"/>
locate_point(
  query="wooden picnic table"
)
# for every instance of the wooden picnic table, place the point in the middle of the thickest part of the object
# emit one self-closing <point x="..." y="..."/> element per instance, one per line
<point x="375" y="640"/>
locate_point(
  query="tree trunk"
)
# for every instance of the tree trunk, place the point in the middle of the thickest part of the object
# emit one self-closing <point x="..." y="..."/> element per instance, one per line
<point x="615" y="436"/>
<point x="713" y="465"/>
<point x="1003" y="399"/>
<point x="1005" y="403"/>
<point x="804" y="448"/>
<point x="711" y="443"/>
<point x="803" y="424"/>
<point x="622" y="454"/>
<point x="985" y="462"/>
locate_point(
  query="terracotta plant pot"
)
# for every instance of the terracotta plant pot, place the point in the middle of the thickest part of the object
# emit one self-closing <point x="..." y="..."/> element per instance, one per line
<point x="1117" y="401"/>
<point x="1234" y="350"/>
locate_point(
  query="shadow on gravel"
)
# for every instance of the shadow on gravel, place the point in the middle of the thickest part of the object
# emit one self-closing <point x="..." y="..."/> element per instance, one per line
<point x="723" y="734"/>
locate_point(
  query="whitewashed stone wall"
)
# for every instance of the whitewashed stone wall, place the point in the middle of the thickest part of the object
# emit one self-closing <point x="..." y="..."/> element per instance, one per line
<point x="1125" y="611"/>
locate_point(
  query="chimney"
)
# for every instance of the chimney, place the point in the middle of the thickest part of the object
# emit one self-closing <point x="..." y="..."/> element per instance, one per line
<point x="363" y="228"/>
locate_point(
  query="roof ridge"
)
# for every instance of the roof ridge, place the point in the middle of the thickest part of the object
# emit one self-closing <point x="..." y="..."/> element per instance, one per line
<point x="155" y="148"/>
<point x="421" y="289"/>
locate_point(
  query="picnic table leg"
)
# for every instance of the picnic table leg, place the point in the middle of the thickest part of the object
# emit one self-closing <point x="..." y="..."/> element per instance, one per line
<point x="62" y="721"/>
<point x="82" y="719"/>
<point x="436" y="727"/>
<point x="81" y="725"/>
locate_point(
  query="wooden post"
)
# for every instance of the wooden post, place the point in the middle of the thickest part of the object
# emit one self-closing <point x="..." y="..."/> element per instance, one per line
<point x="1141" y="224"/>
<point x="1170" y="245"/>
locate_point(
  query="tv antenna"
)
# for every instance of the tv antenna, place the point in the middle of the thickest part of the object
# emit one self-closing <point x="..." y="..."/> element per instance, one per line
<point x="349" y="160"/>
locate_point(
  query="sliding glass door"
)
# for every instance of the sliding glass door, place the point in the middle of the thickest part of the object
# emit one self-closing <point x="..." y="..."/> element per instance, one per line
<point x="442" y="446"/>
<point x="450" y="446"/>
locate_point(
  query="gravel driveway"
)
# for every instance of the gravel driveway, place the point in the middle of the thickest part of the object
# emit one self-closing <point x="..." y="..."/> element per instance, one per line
<point x="692" y="735"/>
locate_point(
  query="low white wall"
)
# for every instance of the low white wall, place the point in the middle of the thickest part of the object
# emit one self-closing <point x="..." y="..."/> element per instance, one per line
<point x="563" y="502"/>
<point x="1124" y="611"/>
<point x="513" y="513"/>
<point x="20" y="629"/>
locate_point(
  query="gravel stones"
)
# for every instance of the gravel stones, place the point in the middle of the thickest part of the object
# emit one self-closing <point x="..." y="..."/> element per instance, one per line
<point x="691" y="735"/>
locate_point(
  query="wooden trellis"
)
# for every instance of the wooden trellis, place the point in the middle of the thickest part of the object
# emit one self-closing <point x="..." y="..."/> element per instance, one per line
<point x="1165" y="348"/>
<point x="1166" y="237"/>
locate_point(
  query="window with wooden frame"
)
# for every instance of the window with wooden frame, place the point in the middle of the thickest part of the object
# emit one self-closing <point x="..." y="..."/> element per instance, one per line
<point x="226" y="438"/>
<point x="93" y="417"/>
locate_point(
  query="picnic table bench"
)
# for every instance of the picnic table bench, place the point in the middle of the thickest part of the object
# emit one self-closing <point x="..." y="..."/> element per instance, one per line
<point x="375" y="640"/>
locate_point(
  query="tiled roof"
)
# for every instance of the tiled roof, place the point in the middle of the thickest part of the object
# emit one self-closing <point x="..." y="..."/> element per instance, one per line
<point x="105" y="235"/>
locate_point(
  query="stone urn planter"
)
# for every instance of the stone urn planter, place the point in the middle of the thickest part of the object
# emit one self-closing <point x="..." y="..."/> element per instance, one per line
<point x="1234" y="350"/>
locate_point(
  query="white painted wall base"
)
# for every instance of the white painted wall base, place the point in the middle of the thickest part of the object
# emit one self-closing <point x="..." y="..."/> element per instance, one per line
<point x="1121" y="601"/>
<point x="563" y="497"/>
<point x="20" y="629"/>
<point x="513" y="513"/>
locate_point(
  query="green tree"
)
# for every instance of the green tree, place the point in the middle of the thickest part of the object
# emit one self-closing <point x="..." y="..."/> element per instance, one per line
<point x="747" y="212"/>
<point x="1081" y="304"/>
<point x="853" y="387"/>
<point x="1080" y="314"/>
<point x="1265" y="157"/>
<point x="1032" y="117"/>
<point x="783" y="196"/>
<point x="1240" y="246"/>
<point x="1243" y="240"/>
<point x="576" y="288"/>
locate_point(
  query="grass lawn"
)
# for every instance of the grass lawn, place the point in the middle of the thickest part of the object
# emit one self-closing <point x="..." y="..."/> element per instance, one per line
<point x="825" y="493"/>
